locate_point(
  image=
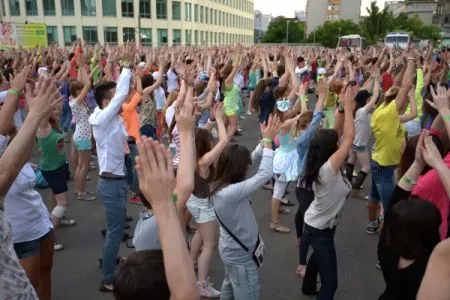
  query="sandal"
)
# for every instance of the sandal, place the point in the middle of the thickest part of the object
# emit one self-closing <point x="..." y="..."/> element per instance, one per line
<point x="284" y="211"/>
<point x="277" y="227"/>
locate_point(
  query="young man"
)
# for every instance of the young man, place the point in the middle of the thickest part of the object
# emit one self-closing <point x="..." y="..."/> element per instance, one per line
<point x="111" y="139"/>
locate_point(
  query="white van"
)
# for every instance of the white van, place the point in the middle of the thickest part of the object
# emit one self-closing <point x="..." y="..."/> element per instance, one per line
<point x="399" y="40"/>
<point x="353" y="41"/>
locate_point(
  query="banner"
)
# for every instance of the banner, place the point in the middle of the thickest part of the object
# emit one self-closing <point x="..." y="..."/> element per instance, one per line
<point x="20" y="34"/>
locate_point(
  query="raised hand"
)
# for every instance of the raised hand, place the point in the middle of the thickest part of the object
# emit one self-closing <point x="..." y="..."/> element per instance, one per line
<point x="154" y="169"/>
<point x="185" y="114"/>
<point x="46" y="97"/>
<point x="18" y="83"/>
<point x="430" y="152"/>
<point x="271" y="128"/>
<point x="440" y="98"/>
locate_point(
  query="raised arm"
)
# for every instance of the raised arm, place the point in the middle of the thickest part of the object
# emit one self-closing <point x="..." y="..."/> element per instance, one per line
<point x="433" y="158"/>
<point x="83" y="77"/>
<point x="339" y="157"/>
<point x="412" y="114"/>
<point x="442" y="105"/>
<point x="375" y="94"/>
<point x="407" y="82"/>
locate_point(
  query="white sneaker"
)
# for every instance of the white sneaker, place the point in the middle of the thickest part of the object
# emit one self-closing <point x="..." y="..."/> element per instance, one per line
<point x="206" y="289"/>
<point x="57" y="247"/>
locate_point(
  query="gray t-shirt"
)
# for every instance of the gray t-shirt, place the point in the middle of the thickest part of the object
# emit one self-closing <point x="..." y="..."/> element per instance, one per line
<point x="146" y="235"/>
<point x="232" y="205"/>
<point x="331" y="192"/>
<point x="363" y="131"/>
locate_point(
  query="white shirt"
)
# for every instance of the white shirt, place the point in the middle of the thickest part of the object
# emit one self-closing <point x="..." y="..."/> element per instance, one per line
<point x="109" y="130"/>
<point x="363" y="131"/>
<point x="331" y="192"/>
<point x="83" y="130"/>
<point x="24" y="209"/>
<point x="17" y="117"/>
<point x="160" y="95"/>
<point x="176" y="142"/>
<point x="172" y="81"/>
<point x="238" y="80"/>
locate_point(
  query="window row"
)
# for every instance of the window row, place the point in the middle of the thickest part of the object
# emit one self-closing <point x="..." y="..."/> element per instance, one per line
<point x="244" y="5"/>
<point x="90" y="36"/>
<point x="88" y="8"/>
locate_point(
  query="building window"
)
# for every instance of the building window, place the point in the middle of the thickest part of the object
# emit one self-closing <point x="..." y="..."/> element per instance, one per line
<point x="176" y="10"/>
<point x="127" y="8"/>
<point x="176" y="36"/>
<point x="31" y="7"/>
<point x="14" y="7"/>
<point x="109" y="8"/>
<point x="49" y="7"/>
<point x="110" y="35"/>
<point x="195" y="12"/>
<point x="161" y="9"/>
<point x="128" y="34"/>
<point x="70" y="35"/>
<point x="188" y="12"/>
<point x="195" y="37"/>
<point x="67" y="8"/>
<point x="2" y="2"/>
<point x="144" y="9"/>
<point x="162" y="37"/>
<point x="146" y="36"/>
<point x="90" y="34"/>
<point x="52" y="34"/>
<point x="201" y="14"/>
<point x="88" y="8"/>
<point x="188" y="37"/>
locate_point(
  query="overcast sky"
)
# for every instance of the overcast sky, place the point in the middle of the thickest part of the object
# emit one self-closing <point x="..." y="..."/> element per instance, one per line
<point x="287" y="7"/>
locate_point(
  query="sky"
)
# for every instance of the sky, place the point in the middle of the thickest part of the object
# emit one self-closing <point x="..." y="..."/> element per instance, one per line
<point x="287" y="7"/>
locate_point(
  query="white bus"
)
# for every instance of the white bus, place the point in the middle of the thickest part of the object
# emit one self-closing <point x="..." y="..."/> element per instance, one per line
<point x="399" y="40"/>
<point x="354" y="42"/>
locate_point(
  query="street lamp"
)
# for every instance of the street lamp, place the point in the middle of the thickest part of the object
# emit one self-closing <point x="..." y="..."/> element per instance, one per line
<point x="287" y="32"/>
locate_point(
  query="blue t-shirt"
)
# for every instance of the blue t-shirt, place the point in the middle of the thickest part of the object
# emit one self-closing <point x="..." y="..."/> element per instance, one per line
<point x="267" y="101"/>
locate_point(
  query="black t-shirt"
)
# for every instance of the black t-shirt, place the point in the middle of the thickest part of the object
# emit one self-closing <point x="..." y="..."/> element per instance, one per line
<point x="267" y="101"/>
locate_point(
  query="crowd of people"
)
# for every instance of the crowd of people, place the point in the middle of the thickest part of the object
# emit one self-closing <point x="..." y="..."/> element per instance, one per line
<point x="161" y="124"/>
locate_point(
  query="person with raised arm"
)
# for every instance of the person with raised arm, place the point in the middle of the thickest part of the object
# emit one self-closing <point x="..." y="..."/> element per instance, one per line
<point x="111" y="138"/>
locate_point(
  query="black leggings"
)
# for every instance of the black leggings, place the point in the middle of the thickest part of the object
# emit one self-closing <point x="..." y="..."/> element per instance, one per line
<point x="304" y="198"/>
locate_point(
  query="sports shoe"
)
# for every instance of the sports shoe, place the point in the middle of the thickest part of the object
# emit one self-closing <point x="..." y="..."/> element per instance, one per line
<point x="57" y="247"/>
<point x="135" y="200"/>
<point x="378" y="265"/>
<point x="85" y="197"/>
<point x="65" y="222"/>
<point x="372" y="227"/>
<point x="206" y="289"/>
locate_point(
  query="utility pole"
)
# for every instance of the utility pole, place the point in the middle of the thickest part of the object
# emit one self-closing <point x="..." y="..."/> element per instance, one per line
<point x="287" y="32"/>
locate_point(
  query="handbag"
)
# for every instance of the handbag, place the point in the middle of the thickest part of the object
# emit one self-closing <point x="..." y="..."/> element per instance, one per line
<point x="258" y="252"/>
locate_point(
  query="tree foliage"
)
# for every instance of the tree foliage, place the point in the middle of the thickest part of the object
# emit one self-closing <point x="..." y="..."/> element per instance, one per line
<point x="327" y="34"/>
<point x="276" y="33"/>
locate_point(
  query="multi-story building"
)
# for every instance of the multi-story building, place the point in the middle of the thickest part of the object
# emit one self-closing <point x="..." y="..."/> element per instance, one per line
<point x="300" y="15"/>
<point x="156" y="22"/>
<point x="261" y="24"/>
<point x="319" y="11"/>
<point x="441" y="18"/>
<point x="395" y="7"/>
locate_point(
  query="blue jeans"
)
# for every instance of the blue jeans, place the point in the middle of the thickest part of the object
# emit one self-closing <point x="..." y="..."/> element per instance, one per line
<point x="323" y="261"/>
<point x="241" y="282"/>
<point x="113" y="193"/>
<point x="131" y="170"/>
<point x="383" y="184"/>
<point x="66" y="117"/>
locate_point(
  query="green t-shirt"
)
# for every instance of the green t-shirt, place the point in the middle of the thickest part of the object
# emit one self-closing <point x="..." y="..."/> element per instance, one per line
<point x="53" y="154"/>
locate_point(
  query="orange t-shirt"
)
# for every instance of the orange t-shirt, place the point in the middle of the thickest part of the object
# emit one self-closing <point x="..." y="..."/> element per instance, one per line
<point x="131" y="117"/>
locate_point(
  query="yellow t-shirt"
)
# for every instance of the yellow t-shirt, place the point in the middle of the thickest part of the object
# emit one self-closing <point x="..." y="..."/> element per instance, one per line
<point x="389" y="135"/>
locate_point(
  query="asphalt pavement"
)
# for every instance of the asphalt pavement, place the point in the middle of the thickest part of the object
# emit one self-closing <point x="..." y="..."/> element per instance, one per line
<point x="76" y="273"/>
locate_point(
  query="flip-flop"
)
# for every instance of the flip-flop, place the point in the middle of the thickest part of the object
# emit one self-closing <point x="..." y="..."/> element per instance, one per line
<point x="284" y="211"/>
<point x="102" y="288"/>
<point x="277" y="227"/>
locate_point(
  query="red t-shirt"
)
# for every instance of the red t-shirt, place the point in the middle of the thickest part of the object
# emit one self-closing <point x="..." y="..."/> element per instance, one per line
<point x="387" y="81"/>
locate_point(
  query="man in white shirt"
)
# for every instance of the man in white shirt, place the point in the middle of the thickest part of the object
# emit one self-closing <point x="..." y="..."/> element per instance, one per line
<point x="301" y="69"/>
<point x="160" y="99"/>
<point x="111" y="139"/>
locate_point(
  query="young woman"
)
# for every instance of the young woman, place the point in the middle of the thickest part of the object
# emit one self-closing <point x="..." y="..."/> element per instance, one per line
<point x="389" y="139"/>
<point x="82" y="145"/>
<point x="230" y="193"/>
<point x="54" y="167"/>
<point x="331" y="189"/>
<point x="199" y="205"/>
<point x="364" y="103"/>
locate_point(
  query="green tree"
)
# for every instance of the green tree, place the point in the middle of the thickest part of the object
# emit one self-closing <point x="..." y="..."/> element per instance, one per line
<point x="276" y="33"/>
<point x="327" y="34"/>
<point x="377" y="24"/>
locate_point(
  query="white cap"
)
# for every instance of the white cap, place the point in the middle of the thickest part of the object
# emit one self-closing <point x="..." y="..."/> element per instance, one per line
<point x="141" y="64"/>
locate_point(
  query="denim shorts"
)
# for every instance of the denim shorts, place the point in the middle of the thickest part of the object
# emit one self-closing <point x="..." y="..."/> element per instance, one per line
<point x="201" y="209"/>
<point x="31" y="248"/>
<point x="383" y="183"/>
<point x="57" y="179"/>
<point x="83" y="145"/>
<point x="360" y="148"/>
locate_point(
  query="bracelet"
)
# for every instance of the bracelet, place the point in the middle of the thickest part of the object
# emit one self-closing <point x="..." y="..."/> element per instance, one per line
<point x="13" y="92"/>
<point x="267" y="140"/>
<point x="409" y="180"/>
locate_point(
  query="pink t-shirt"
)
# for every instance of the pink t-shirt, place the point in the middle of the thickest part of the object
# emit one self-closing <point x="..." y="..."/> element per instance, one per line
<point x="429" y="187"/>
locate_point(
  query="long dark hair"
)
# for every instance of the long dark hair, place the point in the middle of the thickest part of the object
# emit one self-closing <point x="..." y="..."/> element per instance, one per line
<point x="231" y="168"/>
<point x="412" y="228"/>
<point x="203" y="144"/>
<point x="323" y="145"/>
